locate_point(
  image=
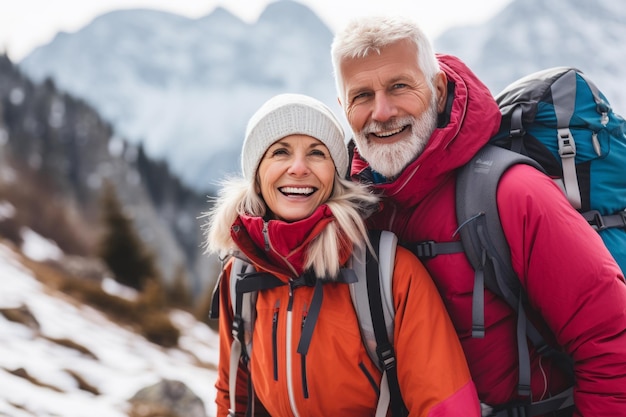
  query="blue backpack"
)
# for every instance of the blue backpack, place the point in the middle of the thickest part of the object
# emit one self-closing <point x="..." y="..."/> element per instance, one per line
<point x="559" y="118"/>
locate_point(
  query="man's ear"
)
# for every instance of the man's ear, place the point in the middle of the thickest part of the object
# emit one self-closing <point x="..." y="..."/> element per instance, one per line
<point x="441" y="88"/>
<point x="339" y="101"/>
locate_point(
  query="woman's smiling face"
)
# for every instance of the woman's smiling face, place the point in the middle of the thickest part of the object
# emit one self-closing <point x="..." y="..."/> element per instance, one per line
<point x="295" y="176"/>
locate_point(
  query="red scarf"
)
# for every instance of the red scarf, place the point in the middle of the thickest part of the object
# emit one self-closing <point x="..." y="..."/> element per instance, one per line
<point x="288" y="241"/>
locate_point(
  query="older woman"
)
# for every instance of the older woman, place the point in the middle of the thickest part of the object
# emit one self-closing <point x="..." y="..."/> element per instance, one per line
<point x="294" y="216"/>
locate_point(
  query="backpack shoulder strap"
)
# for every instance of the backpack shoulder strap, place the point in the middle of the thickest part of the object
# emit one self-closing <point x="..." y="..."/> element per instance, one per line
<point x="373" y="302"/>
<point x="243" y="310"/>
<point x="238" y="270"/>
<point x="479" y="222"/>
<point x="384" y="244"/>
<point x="244" y="284"/>
<point x="485" y="244"/>
<point x="564" y="100"/>
<point x="488" y="251"/>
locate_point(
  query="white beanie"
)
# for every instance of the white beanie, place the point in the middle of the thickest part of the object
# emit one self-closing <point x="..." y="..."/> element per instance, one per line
<point x="289" y="114"/>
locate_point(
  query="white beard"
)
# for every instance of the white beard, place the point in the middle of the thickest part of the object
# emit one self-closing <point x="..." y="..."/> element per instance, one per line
<point x="390" y="159"/>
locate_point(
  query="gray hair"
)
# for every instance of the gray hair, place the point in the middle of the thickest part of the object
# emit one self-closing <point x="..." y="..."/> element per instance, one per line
<point x="364" y="36"/>
<point x="349" y="202"/>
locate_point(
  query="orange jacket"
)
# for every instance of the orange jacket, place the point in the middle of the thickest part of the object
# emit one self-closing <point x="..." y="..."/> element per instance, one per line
<point x="337" y="377"/>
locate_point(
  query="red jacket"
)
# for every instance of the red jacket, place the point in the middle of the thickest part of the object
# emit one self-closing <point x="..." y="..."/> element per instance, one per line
<point x="575" y="288"/>
<point x="337" y="377"/>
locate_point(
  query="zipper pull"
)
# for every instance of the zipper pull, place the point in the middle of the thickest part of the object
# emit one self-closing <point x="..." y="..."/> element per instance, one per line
<point x="305" y="312"/>
<point x="266" y="236"/>
<point x="596" y="144"/>
<point x="276" y="310"/>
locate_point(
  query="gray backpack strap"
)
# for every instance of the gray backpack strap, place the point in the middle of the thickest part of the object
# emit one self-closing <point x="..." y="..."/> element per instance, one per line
<point x="488" y="252"/>
<point x="248" y="301"/>
<point x="563" y="92"/>
<point x="480" y="229"/>
<point x="245" y="283"/>
<point x="372" y="297"/>
<point x="242" y="325"/>
<point x="485" y="244"/>
<point x="358" y="290"/>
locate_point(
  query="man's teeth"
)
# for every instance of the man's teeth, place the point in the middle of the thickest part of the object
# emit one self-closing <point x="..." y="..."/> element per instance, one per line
<point x="297" y="190"/>
<point x="390" y="133"/>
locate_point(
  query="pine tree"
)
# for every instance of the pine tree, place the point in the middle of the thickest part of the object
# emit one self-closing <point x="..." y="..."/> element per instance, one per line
<point x="120" y="246"/>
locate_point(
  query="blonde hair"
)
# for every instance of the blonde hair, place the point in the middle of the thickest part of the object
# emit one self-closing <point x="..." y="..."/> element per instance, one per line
<point x="349" y="202"/>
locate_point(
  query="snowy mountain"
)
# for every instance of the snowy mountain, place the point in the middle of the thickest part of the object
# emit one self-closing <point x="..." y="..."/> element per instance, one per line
<point x="187" y="87"/>
<point x="56" y="156"/>
<point x="532" y="35"/>
<point x="59" y="357"/>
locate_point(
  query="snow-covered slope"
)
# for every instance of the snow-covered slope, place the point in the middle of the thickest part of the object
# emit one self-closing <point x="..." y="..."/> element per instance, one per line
<point x="118" y="363"/>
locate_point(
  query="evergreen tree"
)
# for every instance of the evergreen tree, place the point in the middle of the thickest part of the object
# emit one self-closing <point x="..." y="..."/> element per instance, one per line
<point x="120" y="246"/>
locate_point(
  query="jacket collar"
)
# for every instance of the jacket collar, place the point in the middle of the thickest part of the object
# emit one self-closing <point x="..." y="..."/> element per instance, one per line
<point x="278" y="246"/>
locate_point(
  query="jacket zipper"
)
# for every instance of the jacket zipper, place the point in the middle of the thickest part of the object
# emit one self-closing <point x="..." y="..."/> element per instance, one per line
<point x="288" y="353"/>
<point x="370" y="378"/>
<point x="274" y="339"/>
<point x="305" y="385"/>
<point x="268" y="247"/>
<point x="289" y="327"/>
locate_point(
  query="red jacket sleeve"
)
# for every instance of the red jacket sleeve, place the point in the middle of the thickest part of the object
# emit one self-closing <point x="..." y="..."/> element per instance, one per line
<point x="573" y="282"/>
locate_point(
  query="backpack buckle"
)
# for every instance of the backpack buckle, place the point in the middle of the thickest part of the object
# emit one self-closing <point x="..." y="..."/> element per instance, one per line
<point x="387" y="357"/>
<point x="426" y="250"/>
<point x="237" y="327"/>
<point x="595" y="220"/>
<point x="567" y="146"/>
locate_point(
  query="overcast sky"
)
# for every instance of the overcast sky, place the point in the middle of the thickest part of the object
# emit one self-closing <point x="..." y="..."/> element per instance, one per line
<point x="26" y="24"/>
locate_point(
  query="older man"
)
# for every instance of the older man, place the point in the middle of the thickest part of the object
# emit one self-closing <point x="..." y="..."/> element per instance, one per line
<point x="417" y="117"/>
